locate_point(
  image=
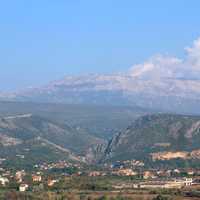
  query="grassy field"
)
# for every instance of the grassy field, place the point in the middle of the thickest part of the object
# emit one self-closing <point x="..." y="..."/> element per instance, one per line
<point x="89" y="195"/>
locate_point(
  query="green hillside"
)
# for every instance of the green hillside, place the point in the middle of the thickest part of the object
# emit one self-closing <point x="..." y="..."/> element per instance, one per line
<point x="26" y="127"/>
<point x="163" y="134"/>
<point x="26" y="140"/>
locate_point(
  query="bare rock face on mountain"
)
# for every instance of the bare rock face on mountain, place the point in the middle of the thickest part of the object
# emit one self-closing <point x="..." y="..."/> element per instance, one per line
<point x="160" y="93"/>
<point x="157" y="137"/>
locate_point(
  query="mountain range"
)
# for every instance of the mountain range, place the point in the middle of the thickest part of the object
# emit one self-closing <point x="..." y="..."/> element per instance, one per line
<point x="166" y="94"/>
<point x="157" y="140"/>
<point x="162" y="83"/>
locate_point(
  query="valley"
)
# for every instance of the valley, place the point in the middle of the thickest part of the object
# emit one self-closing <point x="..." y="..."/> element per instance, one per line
<point x="142" y="154"/>
<point x="99" y="100"/>
<point x="23" y="126"/>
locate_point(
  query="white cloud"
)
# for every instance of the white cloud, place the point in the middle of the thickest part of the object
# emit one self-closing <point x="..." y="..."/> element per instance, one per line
<point x="164" y="66"/>
<point x="194" y="54"/>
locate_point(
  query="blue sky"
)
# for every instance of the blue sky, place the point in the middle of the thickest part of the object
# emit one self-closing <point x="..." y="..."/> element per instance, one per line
<point x="44" y="40"/>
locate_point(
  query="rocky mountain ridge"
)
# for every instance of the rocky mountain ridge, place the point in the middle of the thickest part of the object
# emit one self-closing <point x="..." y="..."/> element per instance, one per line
<point x="42" y="140"/>
<point x="181" y="95"/>
<point x="158" y="137"/>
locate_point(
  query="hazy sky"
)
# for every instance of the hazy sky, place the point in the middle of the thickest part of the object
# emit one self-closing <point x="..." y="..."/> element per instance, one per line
<point x="43" y="40"/>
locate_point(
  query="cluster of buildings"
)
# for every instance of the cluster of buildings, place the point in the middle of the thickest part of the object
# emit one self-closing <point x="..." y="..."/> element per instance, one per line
<point x="153" y="178"/>
<point x="25" y="180"/>
<point x="125" y="164"/>
<point x="35" y="178"/>
<point x="145" y="174"/>
<point x="153" y="174"/>
<point x="119" y="172"/>
<point x="168" y="184"/>
<point x="135" y="167"/>
<point x="157" y="184"/>
<point x="57" y="165"/>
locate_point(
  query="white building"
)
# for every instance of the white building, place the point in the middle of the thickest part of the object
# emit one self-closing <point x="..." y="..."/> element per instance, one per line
<point x="3" y="181"/>
<point x="23" y="187"/>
